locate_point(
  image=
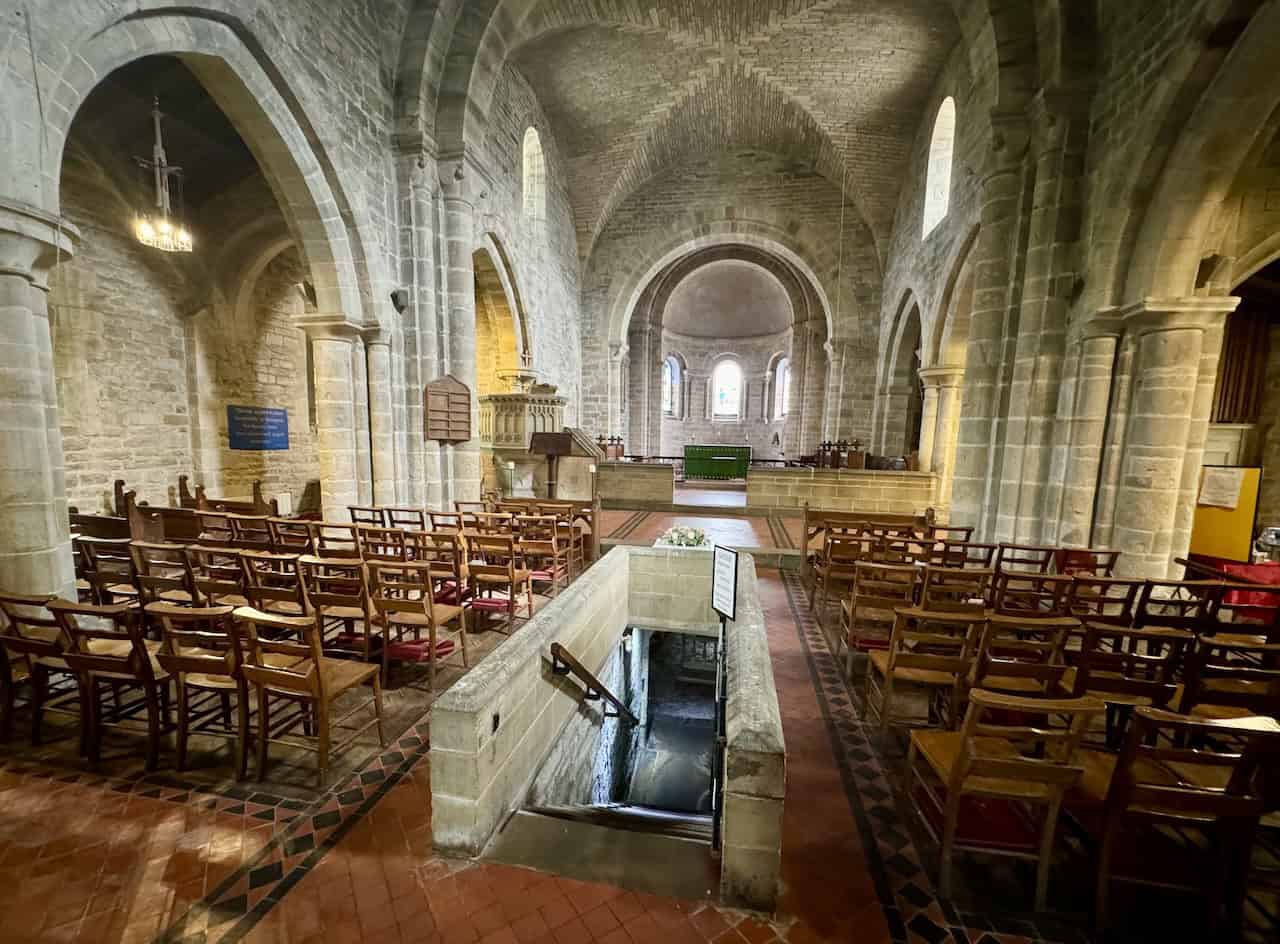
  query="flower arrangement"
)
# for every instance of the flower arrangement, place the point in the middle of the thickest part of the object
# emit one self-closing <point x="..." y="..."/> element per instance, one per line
<point x="684" y="536"/>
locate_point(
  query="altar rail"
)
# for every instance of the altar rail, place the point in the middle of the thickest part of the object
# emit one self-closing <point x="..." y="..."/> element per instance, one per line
<point x="869" y="493"/>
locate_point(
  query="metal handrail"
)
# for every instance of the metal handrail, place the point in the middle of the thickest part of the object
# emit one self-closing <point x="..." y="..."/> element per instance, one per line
<point x="562" y="663"/>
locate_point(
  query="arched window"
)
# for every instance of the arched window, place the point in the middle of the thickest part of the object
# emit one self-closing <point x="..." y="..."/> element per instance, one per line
<point x="781" y="388"/>
<point x="535" y="176"/>
<point x="671" y="387"/>
<point x="937" y="191"/>
<point x="726" y="391"/>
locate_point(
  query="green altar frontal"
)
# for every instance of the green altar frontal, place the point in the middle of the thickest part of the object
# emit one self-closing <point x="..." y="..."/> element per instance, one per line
<point x="716" y="462"/>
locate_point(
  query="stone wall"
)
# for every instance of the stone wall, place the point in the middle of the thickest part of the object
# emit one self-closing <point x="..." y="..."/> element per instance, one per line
<point x="757" y="426"/>
<point x="120" y="358"/>
<point x="253" y="355"/>
<point x="621" y="483"/>
<point x="889" y="493"/>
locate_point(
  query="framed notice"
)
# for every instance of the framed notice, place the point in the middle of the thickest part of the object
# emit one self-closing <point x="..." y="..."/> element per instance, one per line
<point x="724" y="581"/>
<point x="258" y="428"/>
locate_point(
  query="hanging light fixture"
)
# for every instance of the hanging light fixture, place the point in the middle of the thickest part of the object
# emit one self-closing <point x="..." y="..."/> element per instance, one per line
<point x="162" y="228"/>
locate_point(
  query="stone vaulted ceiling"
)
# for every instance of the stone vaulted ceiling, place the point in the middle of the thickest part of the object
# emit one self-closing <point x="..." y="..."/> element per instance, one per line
<point x="635" y="89"/>
<point x="728" y="299"/>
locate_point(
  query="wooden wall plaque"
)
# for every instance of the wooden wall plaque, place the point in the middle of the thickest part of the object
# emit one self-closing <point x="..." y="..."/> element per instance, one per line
<point x="447" y="407"/>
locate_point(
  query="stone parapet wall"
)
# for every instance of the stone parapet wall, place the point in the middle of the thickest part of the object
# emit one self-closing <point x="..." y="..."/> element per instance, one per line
<point x="637" y="482"/>
<point x="492" y="731"/>
<point x="889" y="493"/>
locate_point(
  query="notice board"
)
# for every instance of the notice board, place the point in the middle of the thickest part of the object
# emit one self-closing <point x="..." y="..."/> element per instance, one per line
<point x="1223" y="532"/>
<point x="258" y="428"/>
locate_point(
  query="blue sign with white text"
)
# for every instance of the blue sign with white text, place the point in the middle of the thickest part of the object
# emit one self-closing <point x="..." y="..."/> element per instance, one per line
<point x="258" y="428"/>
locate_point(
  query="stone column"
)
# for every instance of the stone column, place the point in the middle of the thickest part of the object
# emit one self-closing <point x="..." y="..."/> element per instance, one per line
<point x="895" y="403"/>
<point x="1090" y="407"/>
<point x="332" y="347"/>
<point x="833" y="416"/>
<point x="976" y="490"/>
<point x="459" y="182"/>
<point x="381" y="419"/>
<point x="35" y="542"/>
<point x="1178" y="343"/>
<point x="942" y="394"/>
<point x="617" y="393"/>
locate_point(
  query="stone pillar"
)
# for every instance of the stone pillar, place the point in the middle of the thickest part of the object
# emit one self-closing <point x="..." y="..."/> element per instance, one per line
<point x="1090" y="406"/>
<point x="381" y="419"/>
<point x="833" y="416"/>
<point x="895" y="404"/>
<point x="975" y="496"/>
<point x="35" y="542"/>
<point x="462" y="467"/>
<point x="939" y="427"/>
<point x="1178" y="344"/>
<point x="332" y="346"/>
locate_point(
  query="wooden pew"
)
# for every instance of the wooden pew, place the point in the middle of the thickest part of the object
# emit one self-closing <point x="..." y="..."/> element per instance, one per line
<point x="162" y="525"/>
<point x="257" y="505"/>
<point x="817" y="522"/>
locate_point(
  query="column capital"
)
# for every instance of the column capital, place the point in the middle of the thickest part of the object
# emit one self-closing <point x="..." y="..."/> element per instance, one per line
<point x="617" y="351"/>
<point x="933" y="377"/>
<point x="1104" y="323"/>
<point x="463" y="177"/>
<point x="330" y="327"/>
<point x="1168" y="314"/>
<point x="1051" y="111"/>
<point x="31" y="241"/>
<point x="376" y="337"/>
<point x="1010" y="136"/>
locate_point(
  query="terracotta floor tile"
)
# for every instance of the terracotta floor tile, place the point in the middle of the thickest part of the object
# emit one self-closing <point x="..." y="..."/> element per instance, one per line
<point x="600" y="921"/>
<point x="557" y="911"/>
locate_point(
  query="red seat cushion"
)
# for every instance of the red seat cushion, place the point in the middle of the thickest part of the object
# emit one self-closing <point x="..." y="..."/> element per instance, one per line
<point x="419" y="650"/>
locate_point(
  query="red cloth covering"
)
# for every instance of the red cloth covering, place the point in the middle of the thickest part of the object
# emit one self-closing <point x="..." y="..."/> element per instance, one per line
<point x="1268" y="573"/>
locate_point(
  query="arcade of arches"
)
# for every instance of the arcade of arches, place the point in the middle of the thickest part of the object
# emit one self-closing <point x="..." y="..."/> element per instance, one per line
<point x="1013" y="265"/>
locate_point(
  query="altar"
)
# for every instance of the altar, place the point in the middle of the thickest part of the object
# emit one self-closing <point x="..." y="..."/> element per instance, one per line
<point x="718" y="462"/>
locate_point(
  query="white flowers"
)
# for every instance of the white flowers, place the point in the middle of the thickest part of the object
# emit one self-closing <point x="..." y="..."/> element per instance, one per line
<point x="684" y="536"/>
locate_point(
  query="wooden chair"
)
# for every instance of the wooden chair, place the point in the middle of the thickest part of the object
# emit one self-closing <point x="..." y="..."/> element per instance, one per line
<point x="32" y="648"/>
<point x="974" y="789"/>
<point x="488" y="522"/>
<point x="472" y="507"/>
<point x="200" y="650"/>
<point x="1248" y="613"/>
<point x="408" y="519"/>
<point x="215" y="528"/>
<point x="445" y="521"/>
<point x="571" y="536"/>
<point x="106" y="645"/>
<point x="251" y="532"/>
<point x="107" y="568"/>
<point x="162" y="574"/>
<point x="379" y="543"/>
<point x="930" y="650"/>
<point x="542" y="551"/>
<point x="1017" y="593"/>
<point x="1229" y="679"/>
<point x="1024" y="558"/>
<point x="867" y="614"/>
<point x="1110" y="600"/>
<point x="273" y="583"/>
<point x="1091" y="562"/>
<point x="446" y="553"/>
<point x="217" y="576"/>
<point x="1128" y="668"/>
<point x="404" y="599"/>
<point x="1191" y="605"/>
<point x="955" y="589"/>
<point x="963" y="554"/>
<point x="289" y="536"/>
<point x="338" y="594"/>
<point x="335" y="541"/>
<point x="367" y="515"/>
<point x="1024" y="656"/>
<point x="835" y="567"/>
<point x="952" y="533"/>
<point x="1181" y="775"/>
<point x="284" y="661"/>
<point x="497" y="576"/>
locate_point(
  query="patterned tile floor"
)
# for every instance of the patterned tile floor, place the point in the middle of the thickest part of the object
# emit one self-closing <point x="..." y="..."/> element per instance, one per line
<point x="88" y="857"/>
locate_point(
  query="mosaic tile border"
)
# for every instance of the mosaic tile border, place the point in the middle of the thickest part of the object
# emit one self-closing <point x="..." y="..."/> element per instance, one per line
<point x="911" y="907"/>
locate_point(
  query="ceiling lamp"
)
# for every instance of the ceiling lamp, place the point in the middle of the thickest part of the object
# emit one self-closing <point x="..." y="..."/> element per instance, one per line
<point x="162" y="227"/>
